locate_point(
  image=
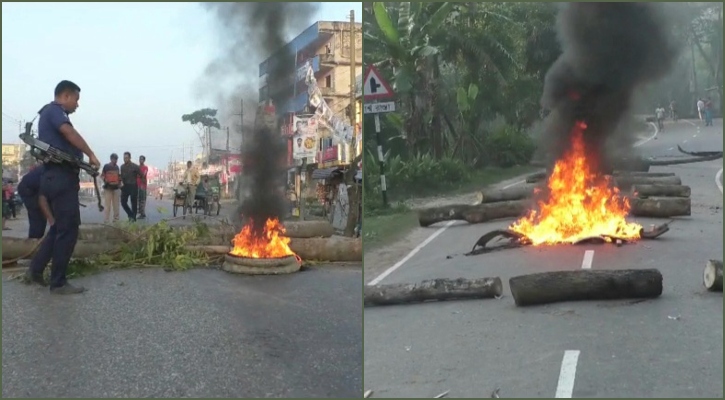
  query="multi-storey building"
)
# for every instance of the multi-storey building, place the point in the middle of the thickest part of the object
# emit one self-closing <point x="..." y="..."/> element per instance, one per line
<point x="326" y="46"/>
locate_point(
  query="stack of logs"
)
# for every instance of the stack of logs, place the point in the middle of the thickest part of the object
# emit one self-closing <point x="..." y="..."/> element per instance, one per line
<point x="650" y="194"/>
<point x="311" y="240"/>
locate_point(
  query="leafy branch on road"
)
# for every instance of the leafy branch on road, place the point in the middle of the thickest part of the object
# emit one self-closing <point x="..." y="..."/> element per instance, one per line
<point x="158" y="245"/>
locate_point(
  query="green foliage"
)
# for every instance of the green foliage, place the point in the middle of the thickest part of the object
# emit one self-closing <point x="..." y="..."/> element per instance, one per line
<point x="158" y="245"/>
<point x="205" y="117"/>
<point x="508" y="146"/>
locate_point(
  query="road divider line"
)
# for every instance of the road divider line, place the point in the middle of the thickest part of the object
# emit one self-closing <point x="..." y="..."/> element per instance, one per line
<point x="647" y="139"/>
<point x="718" y="180"/>
<point x="588" y="258"/>
<point x="565" y="387"/>
<point x="423" y="244"/>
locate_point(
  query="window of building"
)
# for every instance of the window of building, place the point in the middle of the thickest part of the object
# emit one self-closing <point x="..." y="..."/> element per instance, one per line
<point x="328" y="81"/>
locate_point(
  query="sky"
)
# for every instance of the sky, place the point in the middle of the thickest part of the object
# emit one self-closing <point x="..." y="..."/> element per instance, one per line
<point x="136" y="63"/>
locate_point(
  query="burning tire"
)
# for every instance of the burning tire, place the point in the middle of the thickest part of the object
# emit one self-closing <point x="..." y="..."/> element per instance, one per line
<point x="261" y="266"/>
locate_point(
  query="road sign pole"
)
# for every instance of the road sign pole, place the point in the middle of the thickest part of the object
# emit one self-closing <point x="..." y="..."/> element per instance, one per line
<point x="374" y="88"/>
<point x="381" y="160"/>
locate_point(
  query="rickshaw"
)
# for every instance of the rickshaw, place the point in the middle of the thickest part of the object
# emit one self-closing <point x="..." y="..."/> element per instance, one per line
<point x="206" y="198"/>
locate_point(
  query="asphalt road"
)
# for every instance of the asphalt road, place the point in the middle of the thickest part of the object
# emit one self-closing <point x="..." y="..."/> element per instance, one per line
<point x="201" y="333"/>
<point x="667" y="347"/>
<point x="156" y="210"/>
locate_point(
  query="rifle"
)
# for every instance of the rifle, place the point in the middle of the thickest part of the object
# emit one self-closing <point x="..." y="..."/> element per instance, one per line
<point x="48" y="154"/>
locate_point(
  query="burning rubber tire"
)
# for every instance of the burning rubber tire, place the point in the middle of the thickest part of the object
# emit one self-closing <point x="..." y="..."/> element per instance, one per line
<point x="261" y="266"/>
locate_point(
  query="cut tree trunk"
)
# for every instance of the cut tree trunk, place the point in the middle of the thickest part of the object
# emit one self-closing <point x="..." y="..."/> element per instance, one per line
<point x="643" y="191"/>
<point x="293" y="229"/>
<point x="558" y="286"/>
<point x="660" y="207"/>
<point x="643" y="174"/>
<point x="625" y="182"/>
<point x="537" y="177"/>
<point x="437" y="289"/>
<point x="473" y="213"/>
<point x="517" y="192"/>
<point x="712" y="277"/>
<point x="308" y="229"/>
<point x="333" y="249"/>
<point x="25" y="248"/>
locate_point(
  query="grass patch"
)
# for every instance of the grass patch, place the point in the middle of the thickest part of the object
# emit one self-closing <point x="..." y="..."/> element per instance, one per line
<point x="384" y="226"/>
<point x="388" y="227"/>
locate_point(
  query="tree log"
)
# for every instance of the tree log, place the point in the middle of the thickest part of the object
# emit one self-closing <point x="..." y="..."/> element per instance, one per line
<point x="643" y="174"/>
<point x="293" y="229"/>
<point x="558" y="286"/>
<point x="537" y="177"/>
<point x="625" y="182"/>
<point x="712" y="277"/>
<point x="308" y="229"/>
<point x="473" y="213"/>
<point x="334" y="249"/>
<point x="660" y="207"/>
<point x="437" y="289"/>
<point x="643" y="191"/>
<point x="23" y="248"/>
<point x="517" y="192"/>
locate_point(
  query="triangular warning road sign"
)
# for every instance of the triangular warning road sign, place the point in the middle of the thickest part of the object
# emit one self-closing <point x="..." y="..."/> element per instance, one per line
<point x="374" y="86"/>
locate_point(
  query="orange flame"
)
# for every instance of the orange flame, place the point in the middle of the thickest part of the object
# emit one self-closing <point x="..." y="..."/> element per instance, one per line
<point x="271" y="244"/>
<point x="580" y="203"/>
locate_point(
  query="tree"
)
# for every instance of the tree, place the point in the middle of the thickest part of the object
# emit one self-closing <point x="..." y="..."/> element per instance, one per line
<point x="202" y="121"/>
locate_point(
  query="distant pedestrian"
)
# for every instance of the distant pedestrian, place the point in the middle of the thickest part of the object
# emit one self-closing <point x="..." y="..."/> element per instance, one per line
<point x="660" y="114"/>
<point x="6" y="206"/>
<point x="111" y="175"/>
<point x="708" y="112"/>
<point x="700" y="109"/>
<point x="142" y="183"/>
<point x="129" y="189"/>
<point x="673" y="111"/>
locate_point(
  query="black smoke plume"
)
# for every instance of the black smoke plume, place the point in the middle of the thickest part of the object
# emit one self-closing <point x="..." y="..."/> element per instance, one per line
<point x="251" y="33"/>
<point x="609" y="50"/>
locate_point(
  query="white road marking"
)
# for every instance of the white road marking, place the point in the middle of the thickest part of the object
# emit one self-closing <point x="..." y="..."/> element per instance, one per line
<point x="588" y="258"/>
<point x="423" y="244"/>
<point x="691" y="123"/>
<point x="565" y="387"/>
<point x="718" y="178"/>
<point x="647" y="139"/>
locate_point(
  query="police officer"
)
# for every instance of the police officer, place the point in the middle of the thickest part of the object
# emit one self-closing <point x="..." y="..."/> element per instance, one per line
<point x="60" y="185"/>
<point x="28" y="189"/>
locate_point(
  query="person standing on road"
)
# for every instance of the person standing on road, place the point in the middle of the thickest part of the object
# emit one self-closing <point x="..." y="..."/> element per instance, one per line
<point x="129" y="189"/>
<point x="707" y="107"/>
<point x="60" y="186"/>
<point x="660" y="114"/>
<point x="6" y="205"/>
<point x="142" y="183"/>
<point x="700" y="108"/>
<point x="29" y="191"/>
<point x="673" y="110"/>
<point x="111" y="175"/>
<point x="191" y="181"/>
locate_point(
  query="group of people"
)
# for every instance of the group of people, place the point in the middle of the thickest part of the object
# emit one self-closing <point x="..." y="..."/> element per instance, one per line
<point x="124" y="183"/>
<point x="704" y="112"/>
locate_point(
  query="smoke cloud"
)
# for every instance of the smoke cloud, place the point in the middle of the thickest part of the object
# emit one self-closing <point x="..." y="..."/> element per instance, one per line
<point x="250" y="33"/>
<point x="609" y="50"/>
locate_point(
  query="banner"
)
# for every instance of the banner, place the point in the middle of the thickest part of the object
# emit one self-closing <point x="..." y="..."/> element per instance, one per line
<point x="304" y="138"/>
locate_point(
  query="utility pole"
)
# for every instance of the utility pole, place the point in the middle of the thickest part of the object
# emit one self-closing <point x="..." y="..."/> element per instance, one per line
<point x="352" y="69"/>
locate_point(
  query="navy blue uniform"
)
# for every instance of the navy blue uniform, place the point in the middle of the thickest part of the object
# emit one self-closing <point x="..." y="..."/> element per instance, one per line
<point x="60" y="184"/>
<point x="29" y="189"/>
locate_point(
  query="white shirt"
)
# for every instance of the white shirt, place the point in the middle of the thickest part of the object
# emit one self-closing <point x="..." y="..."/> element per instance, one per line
<point x="700" y="104"/>
<point x="660" y="112"/>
